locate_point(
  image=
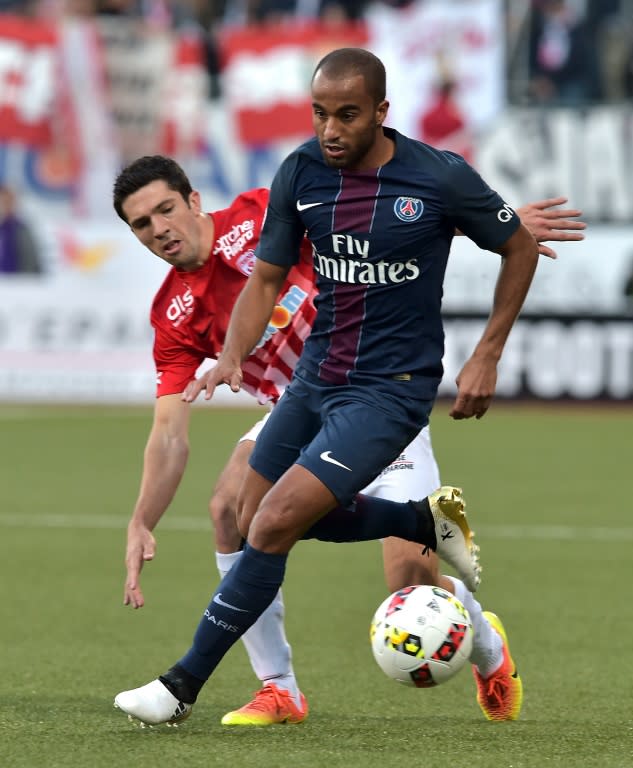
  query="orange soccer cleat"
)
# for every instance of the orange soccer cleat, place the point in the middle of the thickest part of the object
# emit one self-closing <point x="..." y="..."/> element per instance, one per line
<point x="271" y="705"/>
<point x="500" y="695"/>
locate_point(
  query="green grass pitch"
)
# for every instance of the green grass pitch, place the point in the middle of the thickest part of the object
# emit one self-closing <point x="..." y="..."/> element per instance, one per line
<point x="548" y="494"/>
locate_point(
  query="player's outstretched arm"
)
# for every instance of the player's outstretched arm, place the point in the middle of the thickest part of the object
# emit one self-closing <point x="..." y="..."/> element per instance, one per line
<point x="477" y="381"/>
<point x="165" y="459"/>
<point x="249" y="319"/>
<point x="547" y="222"/>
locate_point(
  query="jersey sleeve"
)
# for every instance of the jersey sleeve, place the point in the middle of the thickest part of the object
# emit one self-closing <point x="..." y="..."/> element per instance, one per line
<point x="476" y="209"/>
<point x="282" y="230"/>
<point x="175" y="365"/>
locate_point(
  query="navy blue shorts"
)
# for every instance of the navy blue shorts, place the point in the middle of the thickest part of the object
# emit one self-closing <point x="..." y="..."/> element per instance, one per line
<point x="344" y="435"/>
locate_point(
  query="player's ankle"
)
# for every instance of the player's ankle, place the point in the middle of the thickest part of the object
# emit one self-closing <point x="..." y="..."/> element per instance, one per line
<point x="181" y="684"/>
<point x="425" y="525"/>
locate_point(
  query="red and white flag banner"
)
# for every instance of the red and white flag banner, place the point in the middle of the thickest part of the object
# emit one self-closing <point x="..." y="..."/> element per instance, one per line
<point x="267" y="75"/>
<point x="28" y="80"/>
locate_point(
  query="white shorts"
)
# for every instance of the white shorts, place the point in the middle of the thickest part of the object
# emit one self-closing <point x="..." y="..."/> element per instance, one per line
<point x="254" y="430"/>
<point x="413" y="475"/>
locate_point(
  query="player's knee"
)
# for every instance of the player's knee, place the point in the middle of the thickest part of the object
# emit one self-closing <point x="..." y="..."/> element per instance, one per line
<point x="274" y="528"/>
<point x="247" y="505"/>
<point x="223" y="512"/>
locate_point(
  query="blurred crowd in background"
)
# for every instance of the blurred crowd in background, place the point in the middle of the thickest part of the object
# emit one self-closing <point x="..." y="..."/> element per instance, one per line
<point x="559" y="52"/>
<point x="537" y="95"/>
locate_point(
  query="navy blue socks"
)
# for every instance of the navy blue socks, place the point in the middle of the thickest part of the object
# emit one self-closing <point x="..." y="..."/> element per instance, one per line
<point x="240" y="599"/>
<point x="369" y="518"/>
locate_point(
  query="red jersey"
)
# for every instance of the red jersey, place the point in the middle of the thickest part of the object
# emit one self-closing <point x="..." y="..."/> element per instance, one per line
<point x="191" y="310"/>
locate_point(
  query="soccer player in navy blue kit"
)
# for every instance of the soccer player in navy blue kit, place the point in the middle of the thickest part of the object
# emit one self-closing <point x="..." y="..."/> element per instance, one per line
<point x="381" y="210"/>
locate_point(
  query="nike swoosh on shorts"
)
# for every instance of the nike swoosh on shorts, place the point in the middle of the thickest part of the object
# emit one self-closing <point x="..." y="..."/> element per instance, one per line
<point x="326" y="456"/>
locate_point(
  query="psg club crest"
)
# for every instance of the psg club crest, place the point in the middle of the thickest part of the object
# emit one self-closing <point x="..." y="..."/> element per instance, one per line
<point x="408" y="208"/>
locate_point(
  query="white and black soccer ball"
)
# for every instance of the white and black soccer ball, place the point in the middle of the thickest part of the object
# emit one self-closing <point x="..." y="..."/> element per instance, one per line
<point x="421" y="636"/>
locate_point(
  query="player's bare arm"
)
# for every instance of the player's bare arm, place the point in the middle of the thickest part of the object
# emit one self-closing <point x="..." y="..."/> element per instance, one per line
<point x="547" y="222"/>
<point x="476" y="382"/>
<point x="165" y="459"/>
<point x="249" y="319"/>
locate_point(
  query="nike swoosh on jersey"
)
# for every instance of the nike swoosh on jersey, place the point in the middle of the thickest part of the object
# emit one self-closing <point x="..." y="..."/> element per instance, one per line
<point x="218" y="599"/>
<point x="304" y="206"/>
<point x="327" y="456"/>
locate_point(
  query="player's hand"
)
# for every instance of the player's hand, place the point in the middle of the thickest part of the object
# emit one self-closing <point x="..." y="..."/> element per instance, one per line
<point x="224" y="372"/>
<point x="548" y="222"/>
<point x="195" y="387"/>
<point x="141" y="547"/>
<point x="476" y="384"/>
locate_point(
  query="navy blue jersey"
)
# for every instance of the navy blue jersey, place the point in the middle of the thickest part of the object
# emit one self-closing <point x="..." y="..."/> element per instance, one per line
<point x="381" y="240"/>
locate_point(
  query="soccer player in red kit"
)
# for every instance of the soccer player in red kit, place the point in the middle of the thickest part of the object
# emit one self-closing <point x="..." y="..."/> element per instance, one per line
<point x="212" y="256"/>
<point x="191" y="310"/>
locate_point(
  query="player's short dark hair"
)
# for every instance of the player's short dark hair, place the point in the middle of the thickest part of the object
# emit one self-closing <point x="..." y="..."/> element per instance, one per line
<point x="345" y="61"/>
<point x="143" y="171"/>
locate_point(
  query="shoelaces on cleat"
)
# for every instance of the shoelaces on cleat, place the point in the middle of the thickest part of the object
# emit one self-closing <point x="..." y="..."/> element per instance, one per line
<point x="497" y="688"/>
<point x="261" y="698"/>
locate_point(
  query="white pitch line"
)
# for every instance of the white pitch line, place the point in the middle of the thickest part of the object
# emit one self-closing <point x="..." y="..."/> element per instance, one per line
<point x="555" y="532"/>
<point x="96" y="522"/>
<point x="202" y="524"/>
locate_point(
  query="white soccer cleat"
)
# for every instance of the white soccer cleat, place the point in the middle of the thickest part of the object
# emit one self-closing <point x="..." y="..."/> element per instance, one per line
<point x="455" y="541"/>
<point x="153" y="704"/>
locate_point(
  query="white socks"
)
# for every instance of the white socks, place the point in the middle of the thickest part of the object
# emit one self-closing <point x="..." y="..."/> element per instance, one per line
<point x="268" y="650"/>
<point x="487" y="652"/>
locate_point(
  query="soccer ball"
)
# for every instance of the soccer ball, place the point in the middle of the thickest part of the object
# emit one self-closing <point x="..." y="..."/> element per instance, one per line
<point x="421" y="636"/>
